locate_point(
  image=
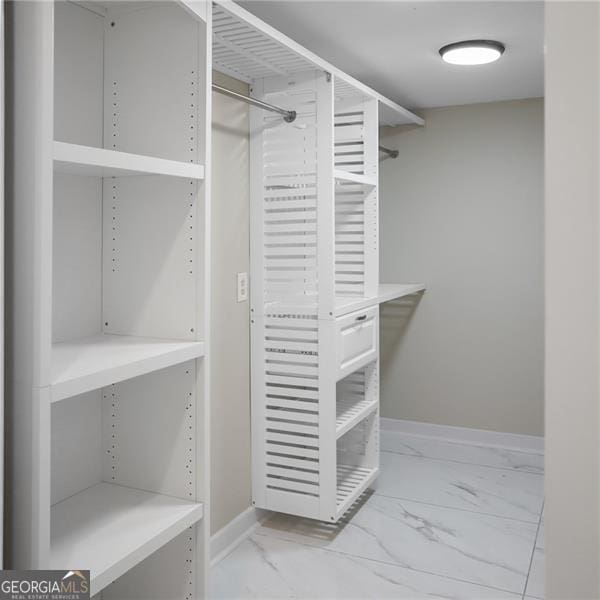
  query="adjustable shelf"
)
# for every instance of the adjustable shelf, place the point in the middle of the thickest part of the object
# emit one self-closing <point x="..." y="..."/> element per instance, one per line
<point x="109" y="528"/>
<point x="90" y="363"/>
<point x="75" y="159"/>
<point x="350" y="413"/>
<point x="347" y="177"/>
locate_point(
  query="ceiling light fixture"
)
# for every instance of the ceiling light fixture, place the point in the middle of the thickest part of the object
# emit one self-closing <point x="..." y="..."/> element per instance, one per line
<point x="472" y="52"/>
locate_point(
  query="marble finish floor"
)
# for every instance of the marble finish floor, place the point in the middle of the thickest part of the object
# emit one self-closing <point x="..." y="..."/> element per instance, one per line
<point x="447" y="520"/>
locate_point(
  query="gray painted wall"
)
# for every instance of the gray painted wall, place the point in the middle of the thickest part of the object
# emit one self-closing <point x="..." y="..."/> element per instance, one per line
<point x="230" y="357"/>
<point x="462" y="211"/>
<point x="573" y="310"/>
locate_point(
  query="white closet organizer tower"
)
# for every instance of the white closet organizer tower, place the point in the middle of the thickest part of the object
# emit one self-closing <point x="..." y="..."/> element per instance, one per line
<point x="108" y="260"/>
<point x="314" y="269"/>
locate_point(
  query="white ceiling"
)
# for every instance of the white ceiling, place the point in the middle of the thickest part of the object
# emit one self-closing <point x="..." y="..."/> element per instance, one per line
<point x="393" y="45"/>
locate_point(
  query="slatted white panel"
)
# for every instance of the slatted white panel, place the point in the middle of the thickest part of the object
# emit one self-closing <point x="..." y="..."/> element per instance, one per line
<point x="349" y="153"/>
<point x="289" y="183"/>
<point x="350" y="239"/>
<point x="343" y="89"/>
<point x="291" y="392"/>
<point x="349" y="140"/>
<point x="356" y="233"/>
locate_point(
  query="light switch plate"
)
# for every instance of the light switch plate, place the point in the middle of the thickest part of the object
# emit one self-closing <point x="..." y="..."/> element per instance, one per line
<point x="242" y="287"/>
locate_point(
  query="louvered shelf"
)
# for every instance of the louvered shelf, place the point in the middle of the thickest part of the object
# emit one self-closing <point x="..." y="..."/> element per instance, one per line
<point x="350" y="413"/>
<point x="89" y="363"/>
<point x="352" y="481"/>
<point x="75" y="159"/>
<point x="109" y="528"/>
<point x="346" y="177"/>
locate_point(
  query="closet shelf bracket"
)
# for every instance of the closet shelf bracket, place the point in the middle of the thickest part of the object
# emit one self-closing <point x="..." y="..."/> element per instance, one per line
<point x="390" y="153"/>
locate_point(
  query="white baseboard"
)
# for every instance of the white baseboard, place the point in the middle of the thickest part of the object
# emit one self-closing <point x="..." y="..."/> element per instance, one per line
<point x="464" y="435"/>
<point x="235" y="532"/>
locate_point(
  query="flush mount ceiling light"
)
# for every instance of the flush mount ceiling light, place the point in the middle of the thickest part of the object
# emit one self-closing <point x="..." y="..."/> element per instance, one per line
<point x="472" y="52"/>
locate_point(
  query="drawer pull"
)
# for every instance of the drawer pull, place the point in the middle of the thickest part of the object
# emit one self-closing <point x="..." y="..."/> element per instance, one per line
<point x="361" y="318"/>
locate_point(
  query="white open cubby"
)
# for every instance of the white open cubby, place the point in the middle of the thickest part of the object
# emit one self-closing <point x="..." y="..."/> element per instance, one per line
<point x="357" y="454"/>
<point x="113" y="473"/>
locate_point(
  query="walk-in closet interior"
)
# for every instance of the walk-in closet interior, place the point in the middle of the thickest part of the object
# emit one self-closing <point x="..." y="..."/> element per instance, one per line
<point x="275" y="327"/>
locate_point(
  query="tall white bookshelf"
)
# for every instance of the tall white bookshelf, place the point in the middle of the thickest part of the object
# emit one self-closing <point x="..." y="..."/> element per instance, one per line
<point x="315" y="289"/>
<point x="108" y="259"/>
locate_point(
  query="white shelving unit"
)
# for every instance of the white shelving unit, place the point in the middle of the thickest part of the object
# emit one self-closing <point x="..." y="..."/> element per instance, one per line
<point x="110" y="269"/>
<point x="314" y="266"/>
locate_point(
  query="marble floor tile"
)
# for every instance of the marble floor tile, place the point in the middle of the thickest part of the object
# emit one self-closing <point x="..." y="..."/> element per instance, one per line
<point x="266" y="567"/>
<point x="464" y="486"/>
<point x="424" y="447"/>
<point x="477" y="548"/>
<point x="535" y="582"/>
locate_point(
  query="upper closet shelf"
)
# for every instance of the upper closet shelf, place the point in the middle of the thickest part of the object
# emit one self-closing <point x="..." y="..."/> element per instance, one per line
<point x="90" y="363"/>
<point x="246" y="48"/>
<point x="99" y="162"/>
<point x="345" y="176"/>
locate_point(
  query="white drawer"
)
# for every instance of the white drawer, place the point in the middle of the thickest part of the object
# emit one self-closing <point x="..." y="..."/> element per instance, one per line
<point x="357" y="342"/>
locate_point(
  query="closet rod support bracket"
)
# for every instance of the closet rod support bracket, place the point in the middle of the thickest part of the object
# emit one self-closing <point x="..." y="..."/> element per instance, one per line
<point x="390" y="153"/>
<point x="290" y="117"/>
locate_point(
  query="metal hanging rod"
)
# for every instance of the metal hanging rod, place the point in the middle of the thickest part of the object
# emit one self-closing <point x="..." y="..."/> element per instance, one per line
<point x="390" y="153"/>
<point x="289" y="116"/>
